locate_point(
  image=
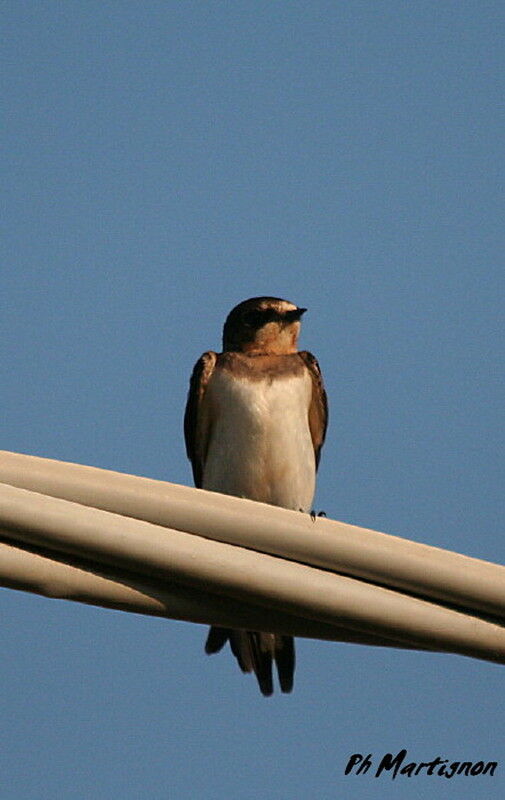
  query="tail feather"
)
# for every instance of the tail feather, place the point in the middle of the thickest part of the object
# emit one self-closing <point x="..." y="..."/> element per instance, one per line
<point x="255" y="652"/>
<point x="285" y="662"/>
<point x="260" y="647"/>
<point x="216" y="639"/>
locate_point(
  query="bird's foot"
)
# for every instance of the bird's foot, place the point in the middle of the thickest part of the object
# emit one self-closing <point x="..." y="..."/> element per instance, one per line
<point x="313" y="514"/>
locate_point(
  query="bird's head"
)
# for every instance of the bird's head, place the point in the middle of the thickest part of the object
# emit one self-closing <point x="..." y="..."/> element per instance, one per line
<point x="263" y="325"/>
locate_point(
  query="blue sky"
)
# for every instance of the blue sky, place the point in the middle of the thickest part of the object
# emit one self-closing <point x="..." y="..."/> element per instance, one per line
<point x="164" y="161"/>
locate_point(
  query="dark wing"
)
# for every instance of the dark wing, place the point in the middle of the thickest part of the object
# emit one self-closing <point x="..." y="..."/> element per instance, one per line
<point x="318" y="411"/>
<point x="195" y="422"/>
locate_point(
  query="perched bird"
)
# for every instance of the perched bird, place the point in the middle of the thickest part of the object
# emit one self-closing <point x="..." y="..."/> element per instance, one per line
<point x="254" y="426"/>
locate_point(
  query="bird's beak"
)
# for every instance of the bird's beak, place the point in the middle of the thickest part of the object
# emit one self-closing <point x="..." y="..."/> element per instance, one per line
<point x="294" y="315"/>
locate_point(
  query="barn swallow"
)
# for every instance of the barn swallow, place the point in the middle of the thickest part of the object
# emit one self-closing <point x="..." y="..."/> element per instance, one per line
<point x="254" y="425"/>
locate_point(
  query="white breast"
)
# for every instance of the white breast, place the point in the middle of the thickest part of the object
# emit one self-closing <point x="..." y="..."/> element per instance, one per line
<point x="260" y="445"/>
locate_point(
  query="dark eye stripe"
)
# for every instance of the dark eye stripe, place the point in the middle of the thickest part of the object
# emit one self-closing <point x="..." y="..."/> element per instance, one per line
<point x="255" y="319"/>
<point x="292" y="316"/>
<point x="260" y="317"/>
